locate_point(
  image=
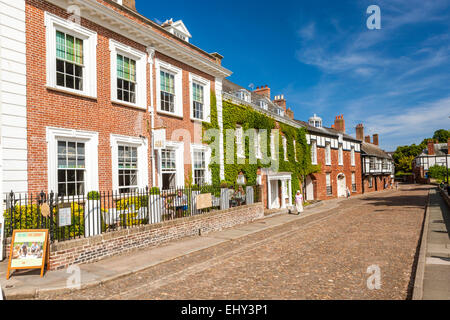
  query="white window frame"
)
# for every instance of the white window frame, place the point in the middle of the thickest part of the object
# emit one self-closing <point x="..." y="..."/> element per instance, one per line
<point x="207" y="151"/>
<point x="295" y="151"/>
<point x="142" y="158"/>
<point x="193" y="78"/>
<point x="53" y="24"/>
<point x="258" y="150"/>
<point x="178" y="147"/>
<point x="284" y="141"/>
<point x="341" y="155"/>
<point x="328" y="153"/>
<point x="178" y="82"/>
<point x="116" y="48"/>
<point x="313" y="152"/>
<point x="240" y="142"/>
<point x="272" y="146"/>
<point x="353" y="156"/>
<point x="90" y="139"/>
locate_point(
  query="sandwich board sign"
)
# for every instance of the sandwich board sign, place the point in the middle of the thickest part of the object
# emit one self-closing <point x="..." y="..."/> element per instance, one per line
<point x="30" y="249"/>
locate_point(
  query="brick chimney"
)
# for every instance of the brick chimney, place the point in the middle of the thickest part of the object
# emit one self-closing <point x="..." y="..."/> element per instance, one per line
<point x="430" y="146"/>
<point x="360" y="132"/>
<point x="264" y="91"/>
<point x="376" y="139"/>
<point x="218" y="58"/>
<point x="339" y="123"/>
<point x="367" y="139"/>
<point x="290" y="114"/>
<point x="130" y="4"/>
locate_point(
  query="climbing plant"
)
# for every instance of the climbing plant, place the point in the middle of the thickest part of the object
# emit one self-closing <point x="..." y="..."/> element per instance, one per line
<point x="248" y="118"/>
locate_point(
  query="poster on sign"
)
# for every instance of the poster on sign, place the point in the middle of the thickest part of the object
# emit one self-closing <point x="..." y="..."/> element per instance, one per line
<point x="29" y="250"/>
<point x="159" y="139"/>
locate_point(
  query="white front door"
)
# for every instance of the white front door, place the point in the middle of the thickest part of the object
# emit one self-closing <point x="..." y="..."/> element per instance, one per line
<point x="309" y="189"/>
<point x="275" y="201"/>
<point x="342" y="186"/>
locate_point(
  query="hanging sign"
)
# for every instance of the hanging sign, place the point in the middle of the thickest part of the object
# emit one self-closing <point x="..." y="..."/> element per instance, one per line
<point x="159" y="139"/>
<point x="204" y="201"/>
<point x="29" y="250"/>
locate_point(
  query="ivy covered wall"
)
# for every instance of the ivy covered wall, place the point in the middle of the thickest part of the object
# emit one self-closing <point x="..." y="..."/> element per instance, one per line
<point x="248" y="118"/>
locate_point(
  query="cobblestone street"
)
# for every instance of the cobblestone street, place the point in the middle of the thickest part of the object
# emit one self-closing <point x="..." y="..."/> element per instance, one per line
<point x="324" y="255"/>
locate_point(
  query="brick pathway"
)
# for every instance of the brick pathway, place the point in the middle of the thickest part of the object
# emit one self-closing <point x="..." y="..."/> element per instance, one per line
<point x="323" y="256"/>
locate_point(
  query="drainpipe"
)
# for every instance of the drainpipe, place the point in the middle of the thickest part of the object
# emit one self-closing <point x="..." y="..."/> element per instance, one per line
<point x="363" y="172"/>
<point x="151" y="57"/>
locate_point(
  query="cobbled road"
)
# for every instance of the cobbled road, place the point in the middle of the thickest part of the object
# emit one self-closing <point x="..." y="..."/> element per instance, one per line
<point x="325" y="255"/>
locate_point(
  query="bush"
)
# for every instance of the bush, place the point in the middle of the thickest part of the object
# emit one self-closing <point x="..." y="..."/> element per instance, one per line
<point x="437" y="172"/>
<point x="30" y="217"/>
<point x="93" y="195"/>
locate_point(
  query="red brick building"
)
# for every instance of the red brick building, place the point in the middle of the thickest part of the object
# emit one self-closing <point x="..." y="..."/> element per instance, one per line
<point x="377" y="165"/>
<point x="339" y="157"/>
<point x="99" y="78"/>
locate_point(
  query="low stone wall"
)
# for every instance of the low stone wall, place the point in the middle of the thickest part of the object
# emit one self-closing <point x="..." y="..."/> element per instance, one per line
<point x="88" y="250"/>
<point x="446" y="197"/>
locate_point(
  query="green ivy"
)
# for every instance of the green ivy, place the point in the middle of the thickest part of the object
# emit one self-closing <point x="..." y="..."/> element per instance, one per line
<point x="248" y="118"/>
<point x="214" y="124"/>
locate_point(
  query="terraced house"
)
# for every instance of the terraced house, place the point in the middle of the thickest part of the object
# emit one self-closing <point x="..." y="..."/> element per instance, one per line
<point x="339" y="156"/>
<point x="85" y="82"/>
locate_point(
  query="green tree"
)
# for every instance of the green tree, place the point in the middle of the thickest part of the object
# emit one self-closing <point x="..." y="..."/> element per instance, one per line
<point x="437" y="172"/>
<point x="442" y="135"/>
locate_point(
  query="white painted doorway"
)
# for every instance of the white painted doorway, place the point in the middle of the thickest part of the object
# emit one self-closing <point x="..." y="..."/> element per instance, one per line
<point x="309" y="189"/>
<point x="274" y="195"/>
<point x="341" y="186"/>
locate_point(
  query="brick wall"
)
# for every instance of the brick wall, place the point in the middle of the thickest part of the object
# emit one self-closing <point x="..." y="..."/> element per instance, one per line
<point x="319" y="179"/>
<point x="378" y="183"/>
<point x="96" y="248"/>
<point x="445" y="196"/>
<point x="49" y="108"/>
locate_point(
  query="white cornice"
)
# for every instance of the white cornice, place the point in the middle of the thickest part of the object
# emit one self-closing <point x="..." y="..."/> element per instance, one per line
<point x="110" y="19"/>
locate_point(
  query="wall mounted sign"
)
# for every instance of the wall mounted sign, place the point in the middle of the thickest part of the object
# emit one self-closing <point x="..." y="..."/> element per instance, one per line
<point x="204" y="201"/>
<point x="30" y="249"/>
<point x="159" y="139"/>
<point x="65" y="215"/>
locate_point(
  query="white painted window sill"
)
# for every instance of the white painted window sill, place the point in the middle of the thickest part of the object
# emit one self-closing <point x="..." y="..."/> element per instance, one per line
<point x="70" y="91"/>
<point x="128" y="104"/>
<point x="170" y="114"/>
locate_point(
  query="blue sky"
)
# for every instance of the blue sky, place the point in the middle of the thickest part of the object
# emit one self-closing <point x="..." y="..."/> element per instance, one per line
<point x="322" y="57"/>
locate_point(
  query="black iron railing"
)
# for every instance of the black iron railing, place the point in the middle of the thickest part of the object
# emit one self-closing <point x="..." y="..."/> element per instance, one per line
<point x="88" y="215"/>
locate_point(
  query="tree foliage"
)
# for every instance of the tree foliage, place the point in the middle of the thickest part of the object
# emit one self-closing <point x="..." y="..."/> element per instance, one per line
<point x="442" y="135"/>
<point x="404" y="155"/>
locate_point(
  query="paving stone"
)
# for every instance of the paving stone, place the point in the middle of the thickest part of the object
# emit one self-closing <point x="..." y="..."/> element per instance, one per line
<point x="324" y="255"/>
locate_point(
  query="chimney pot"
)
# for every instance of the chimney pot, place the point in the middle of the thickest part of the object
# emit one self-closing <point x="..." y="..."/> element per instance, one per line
<point x="430" y="147"/>
<point x="376" y="139"/>
<point x="360" y="132"/>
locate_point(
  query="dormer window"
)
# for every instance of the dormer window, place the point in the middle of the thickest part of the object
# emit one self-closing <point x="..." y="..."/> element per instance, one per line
<point x="178" y="29"/>
<point x="315" y="121"/>
<point x="263" y="104"/>
<point x="243" y="95"/>
<point x="280" y="112"/>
